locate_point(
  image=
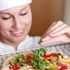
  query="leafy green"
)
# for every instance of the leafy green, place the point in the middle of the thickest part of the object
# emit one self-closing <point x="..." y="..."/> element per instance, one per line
<point x="40" y="51"/>
<point x="17" y="60"/>
<point x="38" y="61"/>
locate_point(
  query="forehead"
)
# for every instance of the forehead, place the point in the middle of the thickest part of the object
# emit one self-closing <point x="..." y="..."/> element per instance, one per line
<point x="15" y="9"/>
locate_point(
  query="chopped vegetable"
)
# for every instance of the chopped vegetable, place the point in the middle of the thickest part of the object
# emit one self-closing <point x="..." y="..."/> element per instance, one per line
<point x="40" y="59"/>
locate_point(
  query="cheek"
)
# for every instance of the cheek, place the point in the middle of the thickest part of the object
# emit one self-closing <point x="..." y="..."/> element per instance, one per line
<point x="4" y="26"/>
<point x="27" y="19"/>
<point x="29" y="23"/>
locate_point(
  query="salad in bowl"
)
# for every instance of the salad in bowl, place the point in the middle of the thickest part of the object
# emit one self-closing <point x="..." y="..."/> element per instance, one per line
<point x="38" y="59"/>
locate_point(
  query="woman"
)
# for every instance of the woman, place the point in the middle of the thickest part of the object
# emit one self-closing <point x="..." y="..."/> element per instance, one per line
<point x="15" y="23"/>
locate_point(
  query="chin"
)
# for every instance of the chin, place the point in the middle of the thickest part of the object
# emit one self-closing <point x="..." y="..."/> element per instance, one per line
<point x="19" y="39"/>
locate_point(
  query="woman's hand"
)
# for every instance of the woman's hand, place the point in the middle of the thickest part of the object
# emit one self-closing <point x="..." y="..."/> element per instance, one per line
<point x="58" y="32"/>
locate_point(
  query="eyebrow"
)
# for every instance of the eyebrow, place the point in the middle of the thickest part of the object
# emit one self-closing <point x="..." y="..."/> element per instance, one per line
<point x="1" y="12"/>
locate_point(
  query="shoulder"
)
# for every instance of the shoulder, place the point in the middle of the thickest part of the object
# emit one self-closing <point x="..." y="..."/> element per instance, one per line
<point x="2" y="48"/>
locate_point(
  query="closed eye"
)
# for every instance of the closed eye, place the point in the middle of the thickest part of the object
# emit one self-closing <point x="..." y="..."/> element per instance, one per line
<point x="23" y="14"/>
<point x="6" y="18"/>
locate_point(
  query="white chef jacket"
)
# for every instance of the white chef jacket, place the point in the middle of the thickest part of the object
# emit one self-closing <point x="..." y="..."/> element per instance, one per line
<point x="30" y="43"/>
<point x="26" y="44"/>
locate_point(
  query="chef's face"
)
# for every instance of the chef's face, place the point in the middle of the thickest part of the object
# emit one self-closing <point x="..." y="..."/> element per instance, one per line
<point x="15" y="23"/>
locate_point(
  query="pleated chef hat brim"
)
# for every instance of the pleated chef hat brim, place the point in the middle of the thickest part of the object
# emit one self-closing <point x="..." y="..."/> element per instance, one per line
<point x="6" y="4"/>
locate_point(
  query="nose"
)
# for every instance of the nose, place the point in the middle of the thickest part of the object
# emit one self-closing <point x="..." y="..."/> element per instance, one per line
<point x="17" y="23"/>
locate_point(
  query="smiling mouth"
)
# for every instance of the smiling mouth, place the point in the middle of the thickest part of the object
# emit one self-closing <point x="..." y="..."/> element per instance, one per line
<point x="17" y="33"/>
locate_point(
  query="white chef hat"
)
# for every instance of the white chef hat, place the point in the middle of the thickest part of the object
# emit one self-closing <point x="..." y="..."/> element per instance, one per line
<point x="5" y="4"/>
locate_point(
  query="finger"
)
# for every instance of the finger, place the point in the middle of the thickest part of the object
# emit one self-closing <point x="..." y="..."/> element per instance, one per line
<point x="53" y="24"/>
<point x="62" y="31"/>
<point x="47" y="31"/>
<point x="68" y="34"/>
<point x="46" y="38"/>
<point x="42" y="37"/>
<point x="57" y="39"/>
<point x="47" y="34"/>
<point x="50" y="29"/>
<point x="55" y="27"/>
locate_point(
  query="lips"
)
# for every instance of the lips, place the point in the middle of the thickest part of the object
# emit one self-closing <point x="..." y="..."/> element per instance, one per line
<point x="17" y="33"/>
